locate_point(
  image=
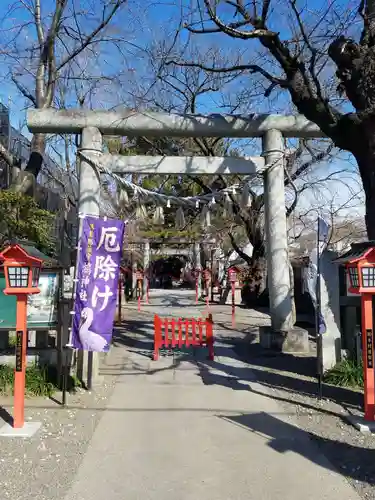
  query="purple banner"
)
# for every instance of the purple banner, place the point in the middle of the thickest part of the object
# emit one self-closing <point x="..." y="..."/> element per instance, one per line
<point x="96" y="292"/>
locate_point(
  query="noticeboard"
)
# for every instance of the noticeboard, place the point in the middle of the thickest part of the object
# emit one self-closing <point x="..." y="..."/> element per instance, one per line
<point x="41" y="308"/>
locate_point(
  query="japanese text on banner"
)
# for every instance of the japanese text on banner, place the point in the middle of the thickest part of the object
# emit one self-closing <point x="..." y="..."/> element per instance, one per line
<point x="97" y="275"/>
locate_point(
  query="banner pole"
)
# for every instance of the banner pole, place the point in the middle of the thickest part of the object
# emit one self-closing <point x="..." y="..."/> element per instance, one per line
<point x="75" y="279"/>
<point x="319" y="339"/>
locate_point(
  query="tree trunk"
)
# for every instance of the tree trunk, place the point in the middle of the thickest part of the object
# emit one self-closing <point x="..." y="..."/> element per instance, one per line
<point x="365" y="156"/>
<point x="254" y="291"/>
<point x="26" y="179"/>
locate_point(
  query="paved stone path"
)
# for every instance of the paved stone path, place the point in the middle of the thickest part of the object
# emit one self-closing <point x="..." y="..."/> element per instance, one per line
<point x="187" y="428"/>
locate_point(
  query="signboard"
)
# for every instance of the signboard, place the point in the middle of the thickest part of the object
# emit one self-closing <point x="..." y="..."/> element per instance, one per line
<point x="69" y="283"/>
<point x="19" y="343"/>
<point x="41" y="308"/>
<point x="370" y="349"/>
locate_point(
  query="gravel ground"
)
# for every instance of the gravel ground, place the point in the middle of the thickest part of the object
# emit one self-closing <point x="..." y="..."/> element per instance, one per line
<point x="288" y="379"/>
<point x="42" y="467"/>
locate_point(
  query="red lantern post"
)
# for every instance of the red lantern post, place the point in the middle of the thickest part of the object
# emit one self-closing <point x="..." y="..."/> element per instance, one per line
<point x="22" y="279"/>
<point x="232" y="276"/>
<point x="360" y="264"/>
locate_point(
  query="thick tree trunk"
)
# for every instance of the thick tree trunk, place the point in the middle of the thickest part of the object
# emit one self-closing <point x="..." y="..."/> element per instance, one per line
<point x="365" y="156"/>
<point x="370" y="213"/>
<point x="25" y="181"/>
<point x="255" y="284"/>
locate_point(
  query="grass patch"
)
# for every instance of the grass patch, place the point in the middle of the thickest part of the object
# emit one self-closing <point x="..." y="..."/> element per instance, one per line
<point x="40" y="381"/>
<point x="346" y="373"/>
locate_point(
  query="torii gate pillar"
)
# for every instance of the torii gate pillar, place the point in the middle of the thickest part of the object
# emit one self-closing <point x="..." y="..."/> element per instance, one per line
<point x="88" y="203"/>
<point x="279" y="285"/>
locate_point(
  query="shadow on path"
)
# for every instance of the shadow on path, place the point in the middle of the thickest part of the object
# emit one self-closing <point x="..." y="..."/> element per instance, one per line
<point x="284" y="437"/>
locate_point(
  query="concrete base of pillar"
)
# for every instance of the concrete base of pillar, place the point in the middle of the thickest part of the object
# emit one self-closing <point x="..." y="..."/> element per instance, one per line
<point x="87" y="369"/>
<point x="28" y="430"/>
<point x="294" y="341"/>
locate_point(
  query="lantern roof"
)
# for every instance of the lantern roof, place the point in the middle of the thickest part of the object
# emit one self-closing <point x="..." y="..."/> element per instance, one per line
<point x="29" y="250"/>
<point x="357" y="252"/>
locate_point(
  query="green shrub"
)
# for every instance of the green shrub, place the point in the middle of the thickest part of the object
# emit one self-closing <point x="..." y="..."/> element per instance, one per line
<point x="346" y="373"/>
<point x="6" y="379"/>
<point x="12" y="340"/>
<point x="37" y="382"/>
<point x="40" y="381"/>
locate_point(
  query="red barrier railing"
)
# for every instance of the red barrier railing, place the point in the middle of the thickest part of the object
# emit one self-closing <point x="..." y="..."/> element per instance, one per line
<point x="183" y="332"/>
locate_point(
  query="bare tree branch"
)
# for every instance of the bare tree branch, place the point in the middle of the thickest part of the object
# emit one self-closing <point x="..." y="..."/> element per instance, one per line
<point x="89" y="39"/>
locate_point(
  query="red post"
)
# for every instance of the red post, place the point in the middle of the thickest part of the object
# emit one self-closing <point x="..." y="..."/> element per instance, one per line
<point x="233" y="304"/>
<point x="139" y="303"/>
<point x="179" y="332"/>
<point x="210" y="337"/>
<point x="157" y="336"/>
<point x="194" y="331"/>
<point x="187" y="340"/>
<point x="166" y="333"/>
<point x="20" y="370"/>
<point x="173" y="325"/>
<point x="368" y="356"/>
<point x="200" y="331"/>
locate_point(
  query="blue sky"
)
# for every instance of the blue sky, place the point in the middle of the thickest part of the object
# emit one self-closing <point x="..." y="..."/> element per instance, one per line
<point x="144" y="22"/>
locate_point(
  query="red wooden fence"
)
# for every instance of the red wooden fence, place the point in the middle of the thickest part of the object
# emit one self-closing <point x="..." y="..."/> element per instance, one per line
<point x="183" y="332"/>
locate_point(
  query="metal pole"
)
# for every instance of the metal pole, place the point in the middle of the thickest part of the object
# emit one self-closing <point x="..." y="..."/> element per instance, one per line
<point x="65" y="376"/>
<point x="119" y="313"/>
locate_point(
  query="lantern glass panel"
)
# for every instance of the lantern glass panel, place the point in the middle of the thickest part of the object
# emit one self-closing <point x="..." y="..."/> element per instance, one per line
<point x="353" y="275"/>
<point x="35" y="276"/>
<point x="18" y="276"/>
<point x="368" y="277"/>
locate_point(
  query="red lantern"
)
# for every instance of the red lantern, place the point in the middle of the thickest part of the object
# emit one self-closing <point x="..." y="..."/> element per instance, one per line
<point x="232" y="274"/>
<point x="21" y="271"/>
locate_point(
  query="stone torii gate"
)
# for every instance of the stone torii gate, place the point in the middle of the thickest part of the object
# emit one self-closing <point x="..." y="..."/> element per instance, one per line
<point x="271" y="128"/>
<point x="194" y="245"/>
